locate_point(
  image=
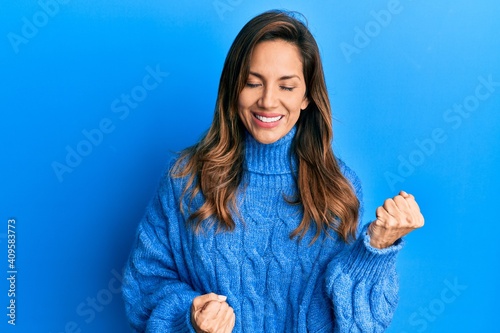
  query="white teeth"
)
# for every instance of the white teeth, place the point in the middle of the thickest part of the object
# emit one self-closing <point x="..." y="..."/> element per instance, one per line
<point x="267" y="119"/>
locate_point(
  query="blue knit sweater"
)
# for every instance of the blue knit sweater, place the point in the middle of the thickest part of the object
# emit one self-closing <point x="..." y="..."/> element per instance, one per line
<point x="274" y="284"/>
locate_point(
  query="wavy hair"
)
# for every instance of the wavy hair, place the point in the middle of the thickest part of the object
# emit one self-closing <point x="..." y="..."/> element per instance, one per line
<point x="214" y="165"/>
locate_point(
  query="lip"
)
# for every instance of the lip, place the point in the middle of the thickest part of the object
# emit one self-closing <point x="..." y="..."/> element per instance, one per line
<point x="267" y="114"/>
<point x="262" y="124"/>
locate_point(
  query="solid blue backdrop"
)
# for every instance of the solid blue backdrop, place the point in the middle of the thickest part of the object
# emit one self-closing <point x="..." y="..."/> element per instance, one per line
<point x="95" y="94"/>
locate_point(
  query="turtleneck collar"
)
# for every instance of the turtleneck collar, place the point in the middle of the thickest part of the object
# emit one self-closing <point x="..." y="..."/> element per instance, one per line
<point x="274" y="158"/>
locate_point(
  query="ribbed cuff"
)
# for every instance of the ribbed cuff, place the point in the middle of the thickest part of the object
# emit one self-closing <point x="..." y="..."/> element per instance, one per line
<point x="183" y="324"/>
<point x="365" y="260"/>
<point x="180" y="324"/>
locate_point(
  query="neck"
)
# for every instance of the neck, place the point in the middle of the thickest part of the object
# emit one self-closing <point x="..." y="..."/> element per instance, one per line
<point x="273" y="158"/>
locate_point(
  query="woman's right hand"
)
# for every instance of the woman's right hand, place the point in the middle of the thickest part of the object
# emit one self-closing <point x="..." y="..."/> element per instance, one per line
<point x="211" y="314"/>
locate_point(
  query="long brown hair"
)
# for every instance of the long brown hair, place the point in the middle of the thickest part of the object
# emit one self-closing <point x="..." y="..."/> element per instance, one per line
<point x="214" y="165"/>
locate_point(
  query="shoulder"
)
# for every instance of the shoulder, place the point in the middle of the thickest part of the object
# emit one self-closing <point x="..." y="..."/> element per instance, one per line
<point x="170" y="183"/>
<point x="351" y="176"/>
<point x="169" y="165"/>
<point x="177" y="180"/>
<point x="175" y="164"/>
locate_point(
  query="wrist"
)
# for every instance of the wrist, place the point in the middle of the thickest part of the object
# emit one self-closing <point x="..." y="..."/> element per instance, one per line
<point x="379" y="244"/>
<point x="375" y="241"/>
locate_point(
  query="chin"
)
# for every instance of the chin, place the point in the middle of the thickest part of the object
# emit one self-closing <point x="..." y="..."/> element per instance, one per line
<point x="267" y="139"/>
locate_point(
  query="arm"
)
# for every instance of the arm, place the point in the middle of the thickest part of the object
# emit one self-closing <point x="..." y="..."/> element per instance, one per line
<point x="157" y="286"/>
<point x="156" y="298"/>
<point x="363" y="285"/>
<point x="362" y="281"/>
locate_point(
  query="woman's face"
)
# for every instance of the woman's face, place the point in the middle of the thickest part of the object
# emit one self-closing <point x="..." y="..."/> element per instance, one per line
<point x="274" y="94"/>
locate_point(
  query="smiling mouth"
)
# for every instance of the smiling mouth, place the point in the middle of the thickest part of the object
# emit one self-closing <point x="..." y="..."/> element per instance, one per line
<point x="268" y="119"/>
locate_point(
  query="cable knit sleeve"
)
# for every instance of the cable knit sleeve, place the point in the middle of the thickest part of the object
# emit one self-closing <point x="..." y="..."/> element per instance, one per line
<point x="157" y="296"/>
<point x="363" y="285"/>
<point x="362" y="282"/>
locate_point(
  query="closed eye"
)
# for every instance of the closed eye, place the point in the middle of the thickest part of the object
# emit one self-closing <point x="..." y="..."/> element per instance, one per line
<point x="252" y="85"/>
<point x="286" y="88"/>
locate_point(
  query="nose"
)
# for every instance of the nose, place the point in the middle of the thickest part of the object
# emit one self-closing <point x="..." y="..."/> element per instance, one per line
<point x="268" y="99"/>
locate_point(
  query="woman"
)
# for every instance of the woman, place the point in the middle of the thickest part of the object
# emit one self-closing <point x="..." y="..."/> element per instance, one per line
<point x="254" y="228"/>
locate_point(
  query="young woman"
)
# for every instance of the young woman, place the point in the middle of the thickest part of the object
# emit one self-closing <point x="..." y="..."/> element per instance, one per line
<point x="254" y="228"/>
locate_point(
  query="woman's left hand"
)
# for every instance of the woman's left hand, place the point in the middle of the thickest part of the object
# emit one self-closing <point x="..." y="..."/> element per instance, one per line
<point x="396" y="218"/>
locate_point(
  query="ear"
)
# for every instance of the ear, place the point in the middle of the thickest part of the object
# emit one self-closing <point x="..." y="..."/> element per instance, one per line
<point x="305" y="103"/>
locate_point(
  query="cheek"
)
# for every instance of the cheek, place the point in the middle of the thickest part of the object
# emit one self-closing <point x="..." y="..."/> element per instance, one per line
<point x="244" y="100"/>
<point x="295" y="104"/>
<point x="241" y="105"/>
<point x="295" y="116"/>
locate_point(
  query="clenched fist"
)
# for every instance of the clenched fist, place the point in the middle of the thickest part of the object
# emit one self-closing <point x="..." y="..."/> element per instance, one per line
<point x="396" y="218"/>
<point x="211" y="314"/>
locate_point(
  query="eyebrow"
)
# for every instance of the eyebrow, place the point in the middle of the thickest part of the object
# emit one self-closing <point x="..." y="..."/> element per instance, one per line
<point x="285" y="77"/>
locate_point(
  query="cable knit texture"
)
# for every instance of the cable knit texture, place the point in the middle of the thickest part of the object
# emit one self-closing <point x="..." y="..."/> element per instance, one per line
<point x="274" y="284"/>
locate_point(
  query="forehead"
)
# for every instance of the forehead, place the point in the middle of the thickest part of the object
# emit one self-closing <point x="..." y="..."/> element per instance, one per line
<point x="276" y="57"/>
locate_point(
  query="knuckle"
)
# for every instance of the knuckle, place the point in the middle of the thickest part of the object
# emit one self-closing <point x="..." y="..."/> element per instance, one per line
<point x="378" y="223"/>
<point x="386" y="223"/>
<point x="392" y="222"/>
<point x="381" y="213"/>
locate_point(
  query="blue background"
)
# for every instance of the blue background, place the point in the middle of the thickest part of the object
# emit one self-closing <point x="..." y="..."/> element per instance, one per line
<point x="392" y="82"/>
